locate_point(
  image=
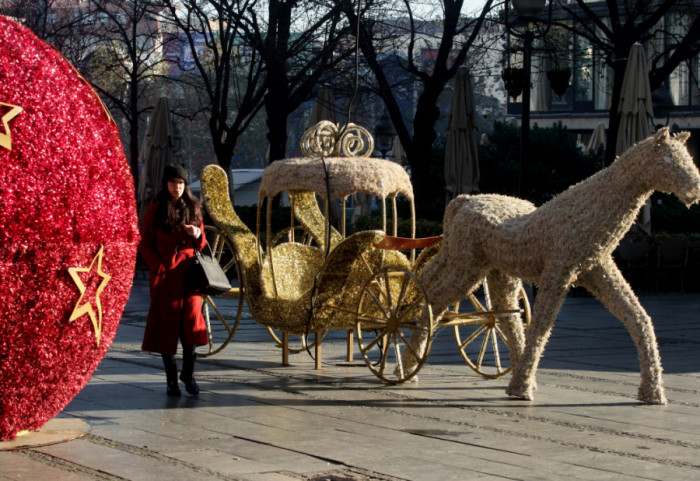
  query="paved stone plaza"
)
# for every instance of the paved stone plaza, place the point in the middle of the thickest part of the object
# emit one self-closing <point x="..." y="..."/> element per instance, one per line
<point x="256" y="420"/>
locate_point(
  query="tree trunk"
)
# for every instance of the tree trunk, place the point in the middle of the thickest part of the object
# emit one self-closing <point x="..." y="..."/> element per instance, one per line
<point x="419" y="150"/>
<point x="277" y="129"/>
<point x="614" y="117"/>
<point x="224" y="152"/>
<point x="277" y="126"/>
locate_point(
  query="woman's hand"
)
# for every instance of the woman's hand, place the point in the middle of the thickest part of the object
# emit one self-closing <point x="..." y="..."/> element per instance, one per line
<point x="192" y="230"/>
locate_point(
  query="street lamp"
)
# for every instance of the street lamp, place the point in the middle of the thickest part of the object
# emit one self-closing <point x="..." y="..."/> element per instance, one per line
<point x="527" y="11"/>
<point x="384" y="134"/>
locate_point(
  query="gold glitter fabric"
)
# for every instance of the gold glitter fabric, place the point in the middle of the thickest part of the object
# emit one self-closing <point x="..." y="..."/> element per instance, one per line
<point x="282" y="285"/>
<point x="309" y="216"/>
<point x="289" y="310"/>
<point x="347" y="176"/>
<point x="344" y="274"/>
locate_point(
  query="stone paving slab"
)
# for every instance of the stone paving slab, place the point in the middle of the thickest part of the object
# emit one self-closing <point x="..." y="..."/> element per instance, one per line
<point x="256" y="420"/>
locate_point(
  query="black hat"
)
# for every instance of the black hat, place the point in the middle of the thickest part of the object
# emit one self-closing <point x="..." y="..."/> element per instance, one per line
<point x="173" y="171"/>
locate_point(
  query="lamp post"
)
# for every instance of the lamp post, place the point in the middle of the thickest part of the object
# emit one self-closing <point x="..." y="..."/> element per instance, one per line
<point x="384" y="134"/>
<point x="527" y="11"/>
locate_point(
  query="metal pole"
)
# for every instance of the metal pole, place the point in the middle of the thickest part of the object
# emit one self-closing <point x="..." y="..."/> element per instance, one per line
<point x="525" y="117"/>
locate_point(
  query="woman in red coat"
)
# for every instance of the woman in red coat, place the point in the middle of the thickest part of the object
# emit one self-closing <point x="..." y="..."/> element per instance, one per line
<point x="172" y="229"/>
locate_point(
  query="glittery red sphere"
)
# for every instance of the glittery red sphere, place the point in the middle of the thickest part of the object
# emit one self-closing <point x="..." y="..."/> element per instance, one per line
<point x="66" y="192"/>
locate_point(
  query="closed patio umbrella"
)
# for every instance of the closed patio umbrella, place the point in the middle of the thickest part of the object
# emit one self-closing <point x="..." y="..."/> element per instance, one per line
<point x="636" y="111"/>
<point x="635" y="106"/>
<point x="597" y="139"/>
<point x="461" y="152"/>
<point x="156" y="153"/>
<point x="397" y="151"/>
<point x="540" y="89"/>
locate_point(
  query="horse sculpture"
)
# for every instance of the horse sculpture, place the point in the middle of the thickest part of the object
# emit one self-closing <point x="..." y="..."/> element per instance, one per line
<point x="568" y="240"/>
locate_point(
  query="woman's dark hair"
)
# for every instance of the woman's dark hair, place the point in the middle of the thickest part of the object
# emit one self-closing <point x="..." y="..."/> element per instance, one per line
<point x="170" y="215"/>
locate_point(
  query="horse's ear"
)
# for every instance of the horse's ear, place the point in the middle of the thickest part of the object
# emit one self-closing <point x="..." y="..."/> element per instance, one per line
<point x="682" y="137"/>
<point x="662" y="135"/>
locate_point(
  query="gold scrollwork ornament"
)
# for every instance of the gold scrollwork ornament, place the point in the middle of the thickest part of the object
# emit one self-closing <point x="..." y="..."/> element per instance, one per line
<point x="325" y="139"/>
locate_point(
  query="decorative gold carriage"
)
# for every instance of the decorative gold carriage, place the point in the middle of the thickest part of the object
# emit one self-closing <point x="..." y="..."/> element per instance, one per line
<point x="311" y="278"/>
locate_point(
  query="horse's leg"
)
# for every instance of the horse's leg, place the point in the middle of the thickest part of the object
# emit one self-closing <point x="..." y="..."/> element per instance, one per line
<point x="445" y="283"/>
<point x="550" y="297"/>
<point x="607" y="283"/>
<point x="504" y="296"/>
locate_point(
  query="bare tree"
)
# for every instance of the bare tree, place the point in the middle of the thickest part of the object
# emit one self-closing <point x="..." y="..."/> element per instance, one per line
<point x="613" y="27"/>
<point x="125" y="59"/>
<point x="56" y="22"/>
<point x="295" y="61"/>
<point x="379" y="37"/>
<point x="230" y="71"/>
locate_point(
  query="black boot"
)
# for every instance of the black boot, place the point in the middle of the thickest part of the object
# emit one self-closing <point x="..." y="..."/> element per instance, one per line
<point x="187" y="376"/>
<point x="171" y="374"/>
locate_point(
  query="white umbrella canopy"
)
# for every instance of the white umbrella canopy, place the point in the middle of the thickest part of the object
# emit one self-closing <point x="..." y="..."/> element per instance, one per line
<point x="540" y="88"/>
<point x="397" y="151"/>
<point x="156" y="153"/>
<point x="597" y="139"/>
<point x="636" y="112"/>
<point x="461" y="152"/>
<point x="635" y="106"/>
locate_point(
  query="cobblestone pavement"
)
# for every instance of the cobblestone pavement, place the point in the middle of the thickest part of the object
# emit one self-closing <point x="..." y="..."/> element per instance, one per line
<point x="257" y="420"/>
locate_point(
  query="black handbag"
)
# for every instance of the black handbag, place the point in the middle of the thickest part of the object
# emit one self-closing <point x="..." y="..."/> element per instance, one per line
<point x="205" y="276"/>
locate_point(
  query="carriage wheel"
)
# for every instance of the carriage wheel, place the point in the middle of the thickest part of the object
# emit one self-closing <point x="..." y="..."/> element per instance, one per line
<point x="222" y="313"/>
<point x="295" y="345"/>
<point x="388" y="316"/>
<point x="480" y="337"/>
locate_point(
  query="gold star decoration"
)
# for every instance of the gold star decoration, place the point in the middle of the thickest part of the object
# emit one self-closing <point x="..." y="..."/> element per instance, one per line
<point x="86" y="308"/>
<point x="5" y="137"/>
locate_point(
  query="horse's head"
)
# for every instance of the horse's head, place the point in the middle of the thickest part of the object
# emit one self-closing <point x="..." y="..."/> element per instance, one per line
<point x="672" y="169"/>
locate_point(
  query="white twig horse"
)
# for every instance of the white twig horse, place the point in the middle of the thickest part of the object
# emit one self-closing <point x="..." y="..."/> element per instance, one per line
<point x="569" y="240"/>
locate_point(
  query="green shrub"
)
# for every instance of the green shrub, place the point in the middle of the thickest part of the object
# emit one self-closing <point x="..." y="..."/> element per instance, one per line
<point x="555" y="162"/>
<point x="424" y="228"/>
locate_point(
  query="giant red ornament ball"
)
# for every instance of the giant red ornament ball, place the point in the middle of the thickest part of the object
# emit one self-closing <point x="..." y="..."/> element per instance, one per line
<point x="68" y="231"/>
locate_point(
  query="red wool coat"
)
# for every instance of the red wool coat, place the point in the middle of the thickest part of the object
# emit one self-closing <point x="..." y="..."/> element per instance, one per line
<point x="168" y="255"/>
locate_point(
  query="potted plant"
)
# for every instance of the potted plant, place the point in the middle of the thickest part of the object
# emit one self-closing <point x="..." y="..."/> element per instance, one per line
<point x="559" y="79"/>
<point x="514" y="78"/>
<point x="558" y="43"/>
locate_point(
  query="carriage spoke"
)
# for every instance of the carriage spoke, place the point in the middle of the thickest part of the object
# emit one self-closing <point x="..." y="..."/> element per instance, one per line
<point x="476" y="303"/>
<point x="403" y="290"/>
<point x="397" y="353"/>
<point x="221" y="317"/>
<point x="228" y="265"/>
<point x="374" y="342"/>
<point x="217" y="247"/>
<point x="501" y="334"/>
<point x="482" y="351"/>
<point x="385" y="356"/>
<point x="471" y="338"/>
<point x="496" y="354"/>
<point x="487" y="294"/>
<point x="387" y="291"/>
<point x="408" y="345"/>
<point x="378" y="302"/>
<point x="407" y="311"/>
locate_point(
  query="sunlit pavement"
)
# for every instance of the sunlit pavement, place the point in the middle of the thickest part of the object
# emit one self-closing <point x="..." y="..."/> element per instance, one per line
<point x="258" y="420"/>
